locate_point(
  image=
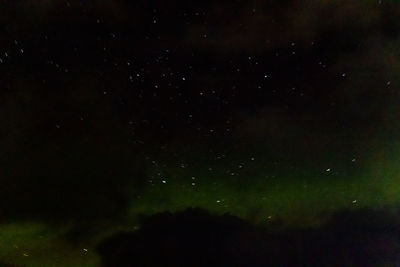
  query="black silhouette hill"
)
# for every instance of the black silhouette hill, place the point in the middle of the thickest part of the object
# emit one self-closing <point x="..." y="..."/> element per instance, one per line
<point x="196" y="238"/>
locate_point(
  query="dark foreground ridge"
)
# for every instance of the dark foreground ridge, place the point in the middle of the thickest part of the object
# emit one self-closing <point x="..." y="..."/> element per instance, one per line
<point x="196" y="238"/>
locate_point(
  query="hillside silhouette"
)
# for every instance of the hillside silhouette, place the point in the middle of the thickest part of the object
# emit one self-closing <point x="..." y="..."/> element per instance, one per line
<point x="194" y="237"/>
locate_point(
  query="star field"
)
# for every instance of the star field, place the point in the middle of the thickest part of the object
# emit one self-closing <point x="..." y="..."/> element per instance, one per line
<point x="279" y="112"/>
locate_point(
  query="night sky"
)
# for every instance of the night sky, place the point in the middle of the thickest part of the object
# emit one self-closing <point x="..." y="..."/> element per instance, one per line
<point x="279" y="112"/>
